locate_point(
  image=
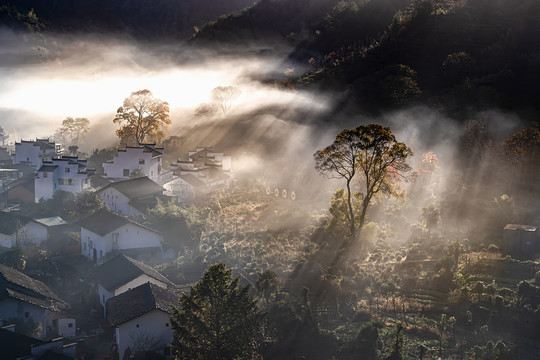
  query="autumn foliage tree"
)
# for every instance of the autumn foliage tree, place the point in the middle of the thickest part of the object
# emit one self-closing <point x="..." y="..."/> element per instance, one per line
<point x="522" y="149"/>
<point x="142" y="118"/>
<point x="373" y="153"/>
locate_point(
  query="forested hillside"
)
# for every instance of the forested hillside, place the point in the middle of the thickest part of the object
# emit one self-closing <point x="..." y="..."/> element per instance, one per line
<point x="141" y="19"/>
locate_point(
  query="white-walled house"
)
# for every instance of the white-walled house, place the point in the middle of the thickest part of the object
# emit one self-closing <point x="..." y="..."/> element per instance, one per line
<point x="130" y="197"/>
<point x="9" y="229"/>
<point x="205" y="172"/>
<point x="26" y="298"/>
<point x="145" y="159"/>
<point x="141" y="318"/>
<point x="35" y="152"/>
<point x="122" y="273"/>
<point x="103" y="233"/>
<point x="66" y="173"/>
<point x="18" y="230"/>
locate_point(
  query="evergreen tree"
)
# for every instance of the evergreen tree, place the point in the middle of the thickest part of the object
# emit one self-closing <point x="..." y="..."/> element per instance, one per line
<point x="217" y="320"/>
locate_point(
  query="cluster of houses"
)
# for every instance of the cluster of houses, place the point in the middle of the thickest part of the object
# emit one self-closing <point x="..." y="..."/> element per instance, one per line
<point x="97" y="262"/>
<point x="38" y="169"/>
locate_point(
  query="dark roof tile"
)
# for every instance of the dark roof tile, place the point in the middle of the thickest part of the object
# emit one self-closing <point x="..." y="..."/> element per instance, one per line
<point x="139" y="301"/>
<point x="103" y="222"/>
<point x="137" y="188"/>
<point x="122" y="269"/>
<point x="15" y="284"/>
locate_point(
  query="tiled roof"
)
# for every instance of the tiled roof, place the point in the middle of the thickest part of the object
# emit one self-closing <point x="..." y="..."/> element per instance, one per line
<point x="15" y="284"/>
<point x="122" y="269"/>
<point x="15" y="345"/>
<point x="47" y="168"/>
<point x="103" y="222"/>
<point x="137" y="188"/>
<point x="139" y="301"/>
<point x="51" y="221"/>
<point x="193" y="181"/>
<point x="514" y="227"/>
<point x="214" y="173"/>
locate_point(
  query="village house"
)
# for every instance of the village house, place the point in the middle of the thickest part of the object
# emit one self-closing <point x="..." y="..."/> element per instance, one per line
<point x="5" y="157"/>
<point x="16" y="230"/>
<point x="520" y="240"/>
<point x="204" y="172"/>
<point x="20" y="191"/>
<point x="131" y="197"/>
<point x="35" y="152"/>
<point x="122" y="273"/>
<point x="25" y="298"/>
<point x="141" y="318"/>
<point x="142" y="160"/>
<point x="66" y="173"/>
<point x="18" y="346"/>
<point x="103" y="233"/>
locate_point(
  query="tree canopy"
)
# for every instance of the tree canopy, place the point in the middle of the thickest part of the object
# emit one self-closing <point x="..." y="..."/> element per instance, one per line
<point x="217" y="320"/>
<point x="72" y="131"/>
<point x="371" y="151"/>
<point x="142" y="117"/>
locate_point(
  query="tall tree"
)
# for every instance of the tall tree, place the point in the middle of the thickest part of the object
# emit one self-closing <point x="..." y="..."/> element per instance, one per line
<point x="3" y="135"/>
<point x="72" y="131"/>
<point x="523" y="150"/>
<point x="266" y="283"/>
<point x="217" y="320"/>
<point x="142" y="117"/>
<point x="223" y="97"/>
<point x="374" y="153"/>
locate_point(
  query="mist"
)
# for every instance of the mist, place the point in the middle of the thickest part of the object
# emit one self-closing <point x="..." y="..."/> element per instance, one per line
<point x="268" y="130"/>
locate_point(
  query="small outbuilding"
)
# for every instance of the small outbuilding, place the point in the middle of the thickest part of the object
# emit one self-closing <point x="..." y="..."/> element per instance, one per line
<point x="520" y="240"/>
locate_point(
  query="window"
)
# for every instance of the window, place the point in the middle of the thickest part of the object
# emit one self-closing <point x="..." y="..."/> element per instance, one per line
<point x="137" y="325"/>
<point x="141" y="161"/>
<point x="67" y="169"/>
<point x="70" y="325"/>
<point x="26" y="315"/>
<point x="126" y="172"/>
<point x="90" y="244"/>
<point x="167" y="324"/>
<point x="45" y="174"/>
<point x="103" y="296"/>
<point x="100" y="254"/>
<point x="64" y="181"/>
<point x="54" y="322"/>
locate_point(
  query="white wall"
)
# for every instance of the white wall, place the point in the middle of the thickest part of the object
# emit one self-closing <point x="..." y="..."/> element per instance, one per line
<point x="129" y="159"/>
<point x="8" y="241"/>
<point x="116" y="201"/>
<point x="32" y="233"/>
<point x="44" y="186"/>
<point x="130" y="236"/>
<point x="14" y="308"/>
<point x="152" y="324"/>
<point x="27" y="152"/>
<point x="180" y="188"/>
<point x="67" y="327"/>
